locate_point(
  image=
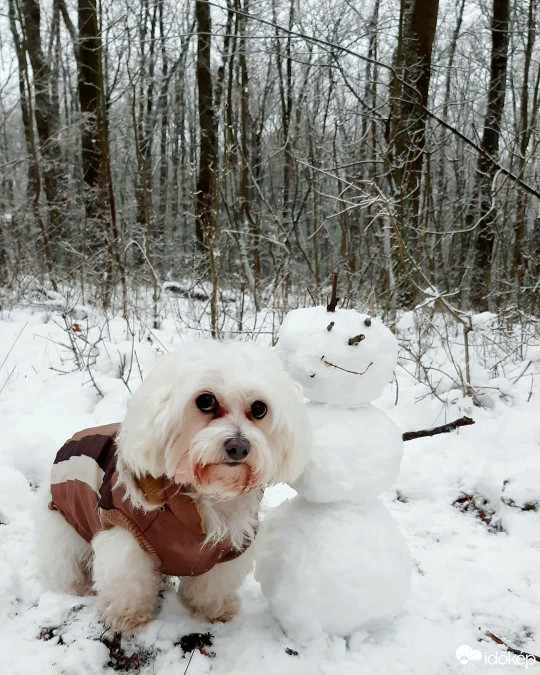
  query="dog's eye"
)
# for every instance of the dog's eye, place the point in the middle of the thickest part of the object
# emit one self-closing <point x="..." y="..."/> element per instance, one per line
<point x="258" y="409"/>
<point x="206" y="403"/>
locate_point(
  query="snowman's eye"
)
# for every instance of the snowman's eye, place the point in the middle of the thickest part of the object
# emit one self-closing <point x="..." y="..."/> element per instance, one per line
<point x="367" y="321"/>
<point x="330" y="326"/>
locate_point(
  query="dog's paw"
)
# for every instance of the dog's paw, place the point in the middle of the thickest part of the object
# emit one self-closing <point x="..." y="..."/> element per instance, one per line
<point x="124" y="623"/>
<point x="222" y="612"/>
<point x="229" y="609"/>
<point x="123" y="617"/>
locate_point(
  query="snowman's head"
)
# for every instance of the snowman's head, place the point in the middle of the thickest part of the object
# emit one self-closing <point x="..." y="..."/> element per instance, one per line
<point x="343" y="357"/>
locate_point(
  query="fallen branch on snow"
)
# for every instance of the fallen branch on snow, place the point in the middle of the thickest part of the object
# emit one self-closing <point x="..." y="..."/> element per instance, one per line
<point x="512" y="650"/>
<point x="443" y="429"/>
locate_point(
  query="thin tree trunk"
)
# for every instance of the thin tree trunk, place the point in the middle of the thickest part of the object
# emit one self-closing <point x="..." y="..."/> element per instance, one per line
<point x="102" y="235"/>
<point x="407" y="125"/>
<point x="207" y="231"/>
<point x="48" y="127"/>
<point x="33" y="175"/>
<point x="484" y="212"/>
<point x="524" y="136"/>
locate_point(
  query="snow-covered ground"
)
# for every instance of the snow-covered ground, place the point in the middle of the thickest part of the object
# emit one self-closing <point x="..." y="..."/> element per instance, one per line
<point x="477" y="558"/>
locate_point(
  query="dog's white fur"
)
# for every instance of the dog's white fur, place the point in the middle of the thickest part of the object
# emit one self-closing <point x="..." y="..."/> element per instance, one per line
<point x="165" y="434"/>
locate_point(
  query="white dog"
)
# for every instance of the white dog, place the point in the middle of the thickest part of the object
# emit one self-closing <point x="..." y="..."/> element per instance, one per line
<point x="177" y="490"/>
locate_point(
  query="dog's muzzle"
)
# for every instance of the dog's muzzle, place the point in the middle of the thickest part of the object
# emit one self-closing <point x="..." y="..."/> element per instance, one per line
<point x="237" y="449"/>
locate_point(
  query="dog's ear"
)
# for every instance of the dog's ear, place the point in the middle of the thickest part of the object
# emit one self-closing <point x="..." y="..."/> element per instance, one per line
<point x="295" y="433"/>
<point x="146" y="428"/>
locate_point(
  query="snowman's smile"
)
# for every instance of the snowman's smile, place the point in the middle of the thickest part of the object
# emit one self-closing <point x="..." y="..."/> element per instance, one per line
<point x="329" y="364"/>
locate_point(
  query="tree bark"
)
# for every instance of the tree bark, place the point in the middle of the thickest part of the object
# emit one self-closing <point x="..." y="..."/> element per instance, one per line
<point x="101" y="230"/>
<point x="207" y="231"/>
<point x="48" y="128"/>
<point x="524" y="133"/>
<point x="33" y="174"/>
<point x="483" y="213"/>
<point x="407" y="125"/>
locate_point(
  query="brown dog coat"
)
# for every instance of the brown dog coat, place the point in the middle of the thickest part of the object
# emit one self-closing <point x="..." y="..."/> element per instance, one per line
<point x="84" y="490"/>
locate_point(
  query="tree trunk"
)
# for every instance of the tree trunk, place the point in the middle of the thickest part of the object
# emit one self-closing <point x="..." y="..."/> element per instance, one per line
<point x="207" y="231"/>
<point x="48" y="127"/>
<point x="101" y="232"/>
<point x="524" y="135"/>
<point x="407" y="126"/>
<point x="483" y="213"/>
<point x="33" y="175"/>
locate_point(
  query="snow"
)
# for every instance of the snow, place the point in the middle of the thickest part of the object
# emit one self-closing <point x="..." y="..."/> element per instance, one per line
<point x="326" y="365"/>
<point x="467" y="579"/>
<point x="346" y="566"/>
<point x="483" y="320"/>
<point x="356" y="456"/>
<point x="534" y="354"/>
<point x="522" y="490"/>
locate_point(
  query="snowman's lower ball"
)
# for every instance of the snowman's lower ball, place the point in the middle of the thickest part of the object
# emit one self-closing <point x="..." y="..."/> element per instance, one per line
<point x="332" y="569"/>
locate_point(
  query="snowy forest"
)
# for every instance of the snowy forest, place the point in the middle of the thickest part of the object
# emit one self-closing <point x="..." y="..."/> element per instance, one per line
<point x="250" y="145"/>
<point x="171" y="170"/>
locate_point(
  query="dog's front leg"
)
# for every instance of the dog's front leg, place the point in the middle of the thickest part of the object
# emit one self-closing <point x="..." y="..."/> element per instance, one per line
<point x="213" y="596"/>
<point x="125" y="580"/>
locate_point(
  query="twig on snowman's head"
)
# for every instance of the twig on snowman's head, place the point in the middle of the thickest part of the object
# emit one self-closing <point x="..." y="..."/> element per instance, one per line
<point x="328" y="364"/>
<point x="331" y="306"/>
<point x="356" y="339"/>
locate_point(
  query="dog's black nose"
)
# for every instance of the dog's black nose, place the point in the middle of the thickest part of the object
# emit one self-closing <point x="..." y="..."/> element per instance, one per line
<point x="237" y="448"/>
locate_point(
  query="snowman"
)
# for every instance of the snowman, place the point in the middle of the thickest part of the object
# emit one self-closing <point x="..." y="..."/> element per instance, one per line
<point x="332" y="559"/>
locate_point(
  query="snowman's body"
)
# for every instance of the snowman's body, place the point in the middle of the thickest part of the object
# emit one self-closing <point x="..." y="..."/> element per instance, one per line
<point x="332" y="559"/>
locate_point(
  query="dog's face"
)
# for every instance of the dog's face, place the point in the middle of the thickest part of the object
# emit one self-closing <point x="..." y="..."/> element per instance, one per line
<point x="229" y="439"/>
<point x="223" y="418"/>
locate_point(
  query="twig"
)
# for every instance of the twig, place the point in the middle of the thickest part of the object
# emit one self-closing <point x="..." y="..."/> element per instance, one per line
<point x="443" y="429"/>
<point x="356" y="339"/>
<point x="166" y="351"/>
<point x="312" y="298"/>
<point x="512" y="650"/>
<point x="352" y="372"/>
<point x="8" y="378"/>
<point x="189" y="662"/>
<point x="331" y="306"/>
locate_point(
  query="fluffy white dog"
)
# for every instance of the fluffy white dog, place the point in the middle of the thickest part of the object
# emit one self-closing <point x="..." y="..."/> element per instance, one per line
<point x="177" y="489"/>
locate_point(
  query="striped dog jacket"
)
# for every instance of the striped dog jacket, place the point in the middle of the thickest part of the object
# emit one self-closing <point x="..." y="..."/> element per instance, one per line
<point x="84" y="490"/>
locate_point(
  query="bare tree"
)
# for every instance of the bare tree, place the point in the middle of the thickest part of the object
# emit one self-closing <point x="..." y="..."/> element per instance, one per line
<point x="279" y="138"/>
<point x="206" y="199"/>
<point x="483" y="213"/>
<point x="101" y="230"/>
<point x="46" y="115"/>
<point x="407" y="124"/>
